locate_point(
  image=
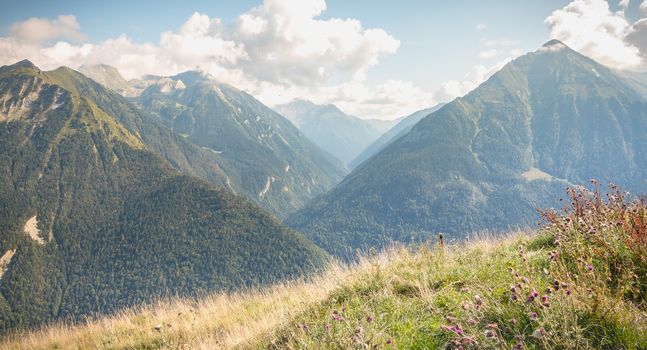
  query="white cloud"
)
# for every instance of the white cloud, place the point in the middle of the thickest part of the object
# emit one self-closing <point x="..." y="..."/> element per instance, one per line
<point x="643" y="7"/>
<point x="481" y="27"/>
<point x="477" y="75"/>
<point x="590" y="27"/>
<point x="487" y="54"/>
<point x="38" y="30"/>
<point x="624" y="3"/>
<point x="277" y="52"/>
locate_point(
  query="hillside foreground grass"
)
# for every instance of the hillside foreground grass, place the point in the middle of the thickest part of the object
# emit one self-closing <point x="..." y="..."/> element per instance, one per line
<point x="579" y="282"/>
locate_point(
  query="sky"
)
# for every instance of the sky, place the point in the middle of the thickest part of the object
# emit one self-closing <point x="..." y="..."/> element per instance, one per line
<point x="372" y="58"/>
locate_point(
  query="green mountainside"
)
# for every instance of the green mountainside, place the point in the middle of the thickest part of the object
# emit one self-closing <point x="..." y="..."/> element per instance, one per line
<point x="547" y="120"/>
<point x="92" y="219"/>
<point x="403" y="126"/>
<point x="268" y="159"/>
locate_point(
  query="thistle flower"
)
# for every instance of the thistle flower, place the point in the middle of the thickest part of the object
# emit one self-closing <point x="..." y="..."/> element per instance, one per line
<point x="389" y="341"/>
<point x="589" y="267"/>
<point x="569" y="292"/>
<point x="471" y="322"/>
<point x="538" y="333"/>
<point x="369" y="319"/>
<point x="533" y="316"/>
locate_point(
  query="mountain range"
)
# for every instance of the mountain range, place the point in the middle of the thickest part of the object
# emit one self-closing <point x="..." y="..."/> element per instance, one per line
<point x="486" y="161"/>
<point x="98" y="211"/>
<point x="342" y="135"/>
<point x="114" y="193"/>
<point x="264" y="156"/>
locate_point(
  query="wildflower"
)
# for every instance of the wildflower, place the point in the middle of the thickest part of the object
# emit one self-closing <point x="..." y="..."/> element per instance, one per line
<point x="478" y="301"/>
<point x="513" y="321"/>
<point x="389" y="341"/>
<point x="548" y="290"/>
<point x="456" y="329"/>
<point x="535" y="293"/>
<point x="471" y="322"/>
<point x="544" y="298"/>
<point x="538" y="333"/>
<point x="369" y="319"/>
<point x="545" y="304"/>
<point x="569" y="292"/>
<point x="359" y="330"/>
<point x="305" y="327"/>
<point x="158" y="328"/>
<point x="589" y="267"/>
<point x="328" y="326"/>
<point x="489" y="334"/>
<point x="533" y="316"/>
<point x="530" y="299"/>
<point x="466" y="306"/>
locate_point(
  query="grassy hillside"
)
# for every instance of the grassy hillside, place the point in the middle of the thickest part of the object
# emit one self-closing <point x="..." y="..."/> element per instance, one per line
<point x="579" y="282"/>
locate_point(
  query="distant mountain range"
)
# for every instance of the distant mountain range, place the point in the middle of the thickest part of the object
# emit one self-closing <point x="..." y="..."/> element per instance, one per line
<point x="342" y="135"/>
<point x="402" y="127"/>
<point x="263" y="155"/>
<point x="109" y="77"/>
<point x="97" y="211"/>
<point x="549" y="119"/>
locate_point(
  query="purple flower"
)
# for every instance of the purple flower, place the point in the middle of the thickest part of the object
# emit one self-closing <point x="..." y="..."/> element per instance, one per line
<point x="589" y="267"/>
<point x="389" y="341"/>
<point x="369" y="319"/>
<point x="569" y="292"/>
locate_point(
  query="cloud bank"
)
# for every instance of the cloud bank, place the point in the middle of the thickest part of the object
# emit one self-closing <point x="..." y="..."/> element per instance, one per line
<point x="590" y="27"/>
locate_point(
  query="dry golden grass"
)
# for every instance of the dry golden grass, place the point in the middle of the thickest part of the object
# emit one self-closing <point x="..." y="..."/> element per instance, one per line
<point x="214" y="322"/>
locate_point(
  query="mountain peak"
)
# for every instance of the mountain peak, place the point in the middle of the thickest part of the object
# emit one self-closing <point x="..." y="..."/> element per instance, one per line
<point x="553" y="42"/>
<point x="24" y="63"/>
<point x="554" y="45"/>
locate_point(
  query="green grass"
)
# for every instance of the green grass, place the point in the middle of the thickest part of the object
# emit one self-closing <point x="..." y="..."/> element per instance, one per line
<point x="476" y="295"/>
